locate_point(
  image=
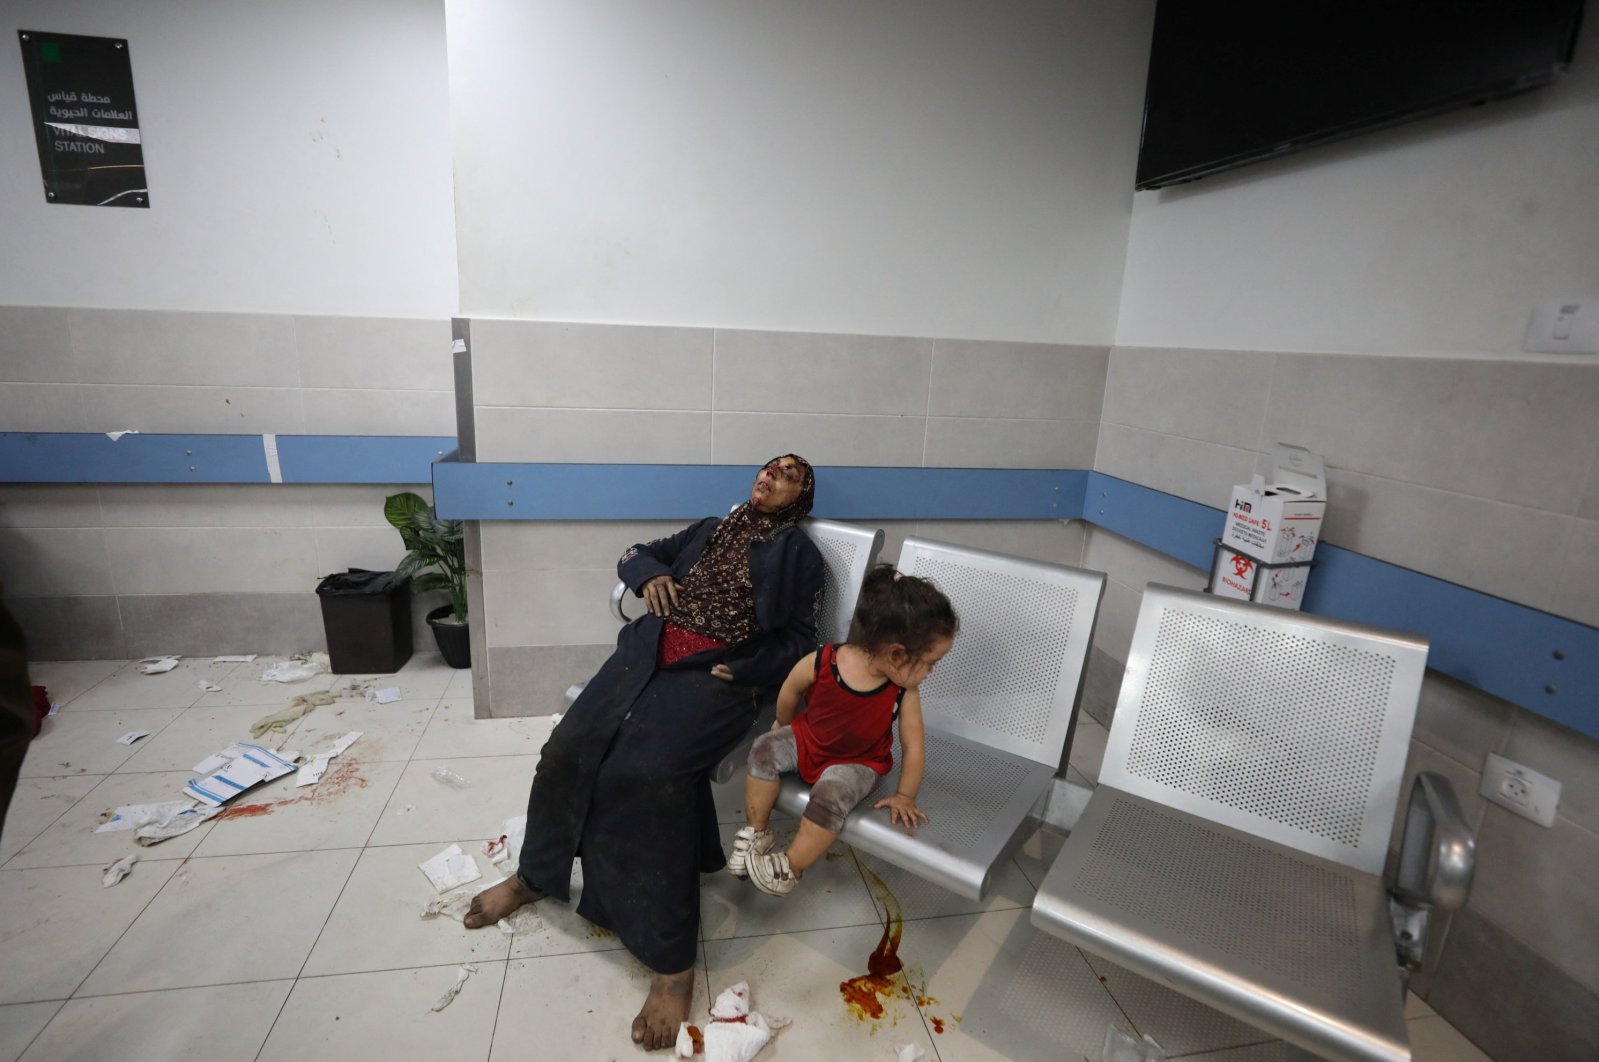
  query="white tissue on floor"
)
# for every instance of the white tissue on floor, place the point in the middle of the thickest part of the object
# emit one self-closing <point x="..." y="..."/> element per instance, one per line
<point x="119" y="870"/>
<point x="450" y="869"/>
<point x="155" y="665"/>
<point x="454" y="990"/>
<point x="908" y="1053"/>
<point x="735" y="1033"/>
<point x="453" y="907"/>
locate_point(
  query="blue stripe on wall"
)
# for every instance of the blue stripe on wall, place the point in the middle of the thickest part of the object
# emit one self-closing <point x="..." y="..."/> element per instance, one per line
<point x="469" y="491"/>
<point x="92" y="457"/>
<point x="63" y="457"/>
<point x="1541" y="662"/>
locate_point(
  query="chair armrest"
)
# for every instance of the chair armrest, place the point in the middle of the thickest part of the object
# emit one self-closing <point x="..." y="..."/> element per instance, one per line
<point x="1437" y="852"/>
<point x="618" y="592"/>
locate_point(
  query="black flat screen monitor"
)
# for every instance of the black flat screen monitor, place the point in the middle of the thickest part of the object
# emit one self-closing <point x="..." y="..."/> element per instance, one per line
<point x="1235" y="81"/>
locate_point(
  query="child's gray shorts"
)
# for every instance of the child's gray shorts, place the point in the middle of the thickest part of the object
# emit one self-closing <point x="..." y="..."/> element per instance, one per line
<point x="839" y="788"/>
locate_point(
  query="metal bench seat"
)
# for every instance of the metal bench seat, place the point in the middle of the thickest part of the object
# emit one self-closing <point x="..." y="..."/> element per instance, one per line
<point x="1234" y="847"/>
<point x="999" y="712"/>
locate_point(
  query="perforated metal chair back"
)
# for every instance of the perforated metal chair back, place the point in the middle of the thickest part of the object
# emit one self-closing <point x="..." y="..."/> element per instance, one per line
<point x="847" y="554"/>
<point x="1014" y="676"/>
<point x="1285" y="725"/>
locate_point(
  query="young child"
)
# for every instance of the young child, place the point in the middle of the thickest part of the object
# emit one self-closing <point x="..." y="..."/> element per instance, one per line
<point x="844" y="739"/>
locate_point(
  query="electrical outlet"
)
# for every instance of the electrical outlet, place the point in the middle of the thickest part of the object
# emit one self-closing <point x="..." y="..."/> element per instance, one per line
<point x="1520" y="789"/>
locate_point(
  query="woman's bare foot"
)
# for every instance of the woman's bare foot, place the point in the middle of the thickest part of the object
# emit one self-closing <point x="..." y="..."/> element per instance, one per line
<point x="498" y="901"/>
<point x="665" y="1008"/>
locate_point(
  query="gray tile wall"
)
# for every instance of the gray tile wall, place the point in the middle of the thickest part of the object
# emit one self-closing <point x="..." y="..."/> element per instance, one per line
<point x="1484" y="473"/>
<point x="127" y="569"/>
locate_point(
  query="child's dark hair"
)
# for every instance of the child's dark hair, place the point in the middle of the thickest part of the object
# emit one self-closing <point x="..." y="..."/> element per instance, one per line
<point x="900" y="609"/>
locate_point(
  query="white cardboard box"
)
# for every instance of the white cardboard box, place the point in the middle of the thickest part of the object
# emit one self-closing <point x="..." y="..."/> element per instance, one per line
<point x="1279" y="523"/>
<point x="1243" y="578"/>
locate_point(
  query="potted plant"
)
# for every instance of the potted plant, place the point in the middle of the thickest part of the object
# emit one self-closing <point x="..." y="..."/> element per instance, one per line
<point x="439" y="545"/>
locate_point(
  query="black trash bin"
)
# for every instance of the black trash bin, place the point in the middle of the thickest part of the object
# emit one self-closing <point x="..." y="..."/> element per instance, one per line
<point x="367" y="617"/>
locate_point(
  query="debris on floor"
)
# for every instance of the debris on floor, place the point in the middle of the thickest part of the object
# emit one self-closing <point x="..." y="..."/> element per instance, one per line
<point x="132" y="816"/>
<point x="131" y="736"/>
<point x="735" y="1033"/>
<point x="405" y="809"/>
<point x="311" y="773"/>
<point x="506" y="851"/>
<point x="253" y="766"/>
<point x="1123" y="1047"/>
<point x="908" y="1053"/>
<point x="454" y="990"/>
<point x="524" y="919"/>
<point x="281" y="719"/>
<point x="387" y="695"/>
<point x="210" y="687"/>
<point x="237" y="658"/>
<point x="450" y="869"/>
<point x="176" y="825"/>
<point x="452" y="907"/>
<point x="296" y="668"/>
<point x="445" y="776"/>
<point x="156" y="665"/>
<point x="119" y="870"/>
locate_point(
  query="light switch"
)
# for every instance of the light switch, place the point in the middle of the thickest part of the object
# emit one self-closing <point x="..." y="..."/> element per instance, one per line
<point x="1563" y="326"/>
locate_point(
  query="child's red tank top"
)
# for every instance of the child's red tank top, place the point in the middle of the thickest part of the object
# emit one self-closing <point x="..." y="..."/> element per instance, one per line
<point x="843" y="725"/>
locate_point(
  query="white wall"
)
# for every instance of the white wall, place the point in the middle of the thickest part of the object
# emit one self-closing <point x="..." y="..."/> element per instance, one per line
<point x="1431" y="238"/>
<point x="913" y="167"/>
<point x="298" y="155"/>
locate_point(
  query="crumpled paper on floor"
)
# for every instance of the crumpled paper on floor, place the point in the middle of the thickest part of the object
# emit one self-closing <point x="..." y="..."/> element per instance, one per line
<point x="210" y="687"/>
<point x="132" y="816"/>
<point x="156" y="665"/>
<point x="119" y="870"/>
<point x="280" y="720"/>
<point x="453" y="907"/>
<point x="176" y="826"/>
<point x="296" y="668"/>
<point x="131" y="736"/>
<point x="454" y="990"/>
<point x="735" y="1033"/>
<point x="507" y="851"/>
<point x="908" y="1053"/>
<point x="450" y="869"/>
<point x="387" y="695"/>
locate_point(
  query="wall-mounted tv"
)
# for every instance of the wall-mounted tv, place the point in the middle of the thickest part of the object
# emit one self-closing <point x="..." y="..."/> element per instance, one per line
<point x="1235" y="81"/>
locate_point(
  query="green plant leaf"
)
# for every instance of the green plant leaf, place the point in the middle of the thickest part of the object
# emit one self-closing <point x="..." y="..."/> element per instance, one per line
<point x="414" y="562"/>
<point x="431" y="581"/>
<point x="399" y="510"/>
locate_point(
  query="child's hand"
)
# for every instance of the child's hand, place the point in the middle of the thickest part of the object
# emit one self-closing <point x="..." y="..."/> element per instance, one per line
<point x="903" y="811"/>
<point x="723" y="672"/>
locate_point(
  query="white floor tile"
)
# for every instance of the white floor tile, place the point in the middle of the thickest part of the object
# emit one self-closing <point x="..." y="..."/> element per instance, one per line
<point x="226" y="1023"/>
<point x="20" y="1023"/>
<point x="388" y="731"/>
<point x="497" y="788"/>
<point x="424" y="677"/>
<point x="225" y="920"/>
<point x="453" y="732"/>
<point x="1002" y="990"/>
<point x="69" y="679"/>
<point x="37" y="803"/>
<point x="1037" y="854"/>
<point x="338" y="812"/>
<point x="178" y="688"/>
<point x="1181" y="1025"/>
<point x="71" y="840"/>
<point x="377" y="922"/>
<point x="244" y="686"/>
<point x="86" y="742"/>
<point x="799" y="976"/>
<point x="196" y="734"/>
<point x="57" y="923"/>
<point x="460" y="687"/>
<point x="575" y="1007"/>
<point x="1435" y="1040"/>
<point x="1088" y="747"/>
<point x="831" y="895"/>
<point x="389" y="1015"/>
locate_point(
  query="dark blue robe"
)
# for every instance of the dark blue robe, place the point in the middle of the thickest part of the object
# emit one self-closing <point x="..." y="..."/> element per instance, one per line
<point x="624" y="780"/>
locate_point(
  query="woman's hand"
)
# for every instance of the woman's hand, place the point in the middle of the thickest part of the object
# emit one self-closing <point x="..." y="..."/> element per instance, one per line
<point x="660" y="594"/>
<point x="903" y="811"/>
<point x="723" y="672"/>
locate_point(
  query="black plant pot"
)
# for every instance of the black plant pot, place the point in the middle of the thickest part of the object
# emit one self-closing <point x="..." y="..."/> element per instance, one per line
<point x="455" y="639"/>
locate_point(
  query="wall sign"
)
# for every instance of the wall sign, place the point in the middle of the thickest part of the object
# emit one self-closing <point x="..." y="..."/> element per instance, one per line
<point x="85" y="119"/>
